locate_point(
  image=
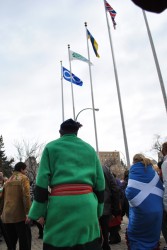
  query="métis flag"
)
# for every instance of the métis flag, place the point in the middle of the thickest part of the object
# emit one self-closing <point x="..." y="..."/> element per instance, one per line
<point x="76" y="56"/>
<point x="112" y="13"/>
<point x="70" y="77"/>
<point x="94" y="43"/>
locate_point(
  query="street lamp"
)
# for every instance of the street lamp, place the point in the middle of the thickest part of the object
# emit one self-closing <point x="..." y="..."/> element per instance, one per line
<point x="97" y="150"/>
<point x="83" y="110"/>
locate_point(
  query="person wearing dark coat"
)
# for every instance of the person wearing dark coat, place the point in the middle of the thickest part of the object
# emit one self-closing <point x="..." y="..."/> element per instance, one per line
<point x="125" y="204"/>
<point x="156" y="6"/>
<point x="115" y="221"/>
<point x="111" y="205"/>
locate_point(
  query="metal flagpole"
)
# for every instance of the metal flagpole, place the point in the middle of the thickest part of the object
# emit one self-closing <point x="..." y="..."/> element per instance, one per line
<point x="92" y="96"/>
<point x="72" y="92"/>
<point x="118" y="91"/>
<point x="62" y="93"/>
<point x="156" y="61"/>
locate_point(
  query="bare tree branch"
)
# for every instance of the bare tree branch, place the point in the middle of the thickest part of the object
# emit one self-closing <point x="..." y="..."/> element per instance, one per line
<point x="31" y="154"/>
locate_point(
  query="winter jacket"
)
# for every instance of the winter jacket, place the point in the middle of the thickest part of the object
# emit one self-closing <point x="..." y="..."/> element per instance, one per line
<point x="111" y="194"/>
<point x="16" y="196"/>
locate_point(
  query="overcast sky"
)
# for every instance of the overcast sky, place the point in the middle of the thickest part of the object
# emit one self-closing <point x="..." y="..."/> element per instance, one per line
<point x="33" y="40"/>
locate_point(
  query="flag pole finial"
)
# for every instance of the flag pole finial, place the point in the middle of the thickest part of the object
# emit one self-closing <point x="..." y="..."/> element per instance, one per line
<point x="85" y="24"/>
<point x="68" y="46"/>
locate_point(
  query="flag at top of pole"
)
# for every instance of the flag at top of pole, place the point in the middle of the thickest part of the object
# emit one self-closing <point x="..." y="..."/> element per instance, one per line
<point x="76" y="56"/>
<point x="70" y="77"/>
<point x="112" y="13"/>
<point x="93" y="42"/>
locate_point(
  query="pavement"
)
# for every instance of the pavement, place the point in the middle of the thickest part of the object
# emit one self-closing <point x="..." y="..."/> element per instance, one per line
<point x="122" y="245"/>
<point x="37" y="243"/>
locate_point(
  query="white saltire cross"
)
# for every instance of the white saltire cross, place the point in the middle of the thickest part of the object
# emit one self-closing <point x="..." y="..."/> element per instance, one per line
<point x="145" y="190"/>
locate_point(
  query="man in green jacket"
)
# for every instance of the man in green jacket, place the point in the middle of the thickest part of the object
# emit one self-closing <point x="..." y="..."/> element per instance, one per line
<point x="71" y="169"/>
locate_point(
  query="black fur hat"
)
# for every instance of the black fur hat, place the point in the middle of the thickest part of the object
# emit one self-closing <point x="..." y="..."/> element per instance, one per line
<point x="69" y="126"/>
<point x="154" y="6"/>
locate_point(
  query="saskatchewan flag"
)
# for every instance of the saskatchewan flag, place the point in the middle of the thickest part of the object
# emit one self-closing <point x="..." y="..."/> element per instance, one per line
<point x="94" y="43"/>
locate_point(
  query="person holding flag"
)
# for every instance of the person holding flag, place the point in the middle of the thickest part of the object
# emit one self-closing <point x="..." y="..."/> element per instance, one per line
<point x="145" y="196"/>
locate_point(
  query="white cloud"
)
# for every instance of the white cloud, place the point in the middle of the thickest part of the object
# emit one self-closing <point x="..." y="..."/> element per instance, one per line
<point x="34" y="37"/>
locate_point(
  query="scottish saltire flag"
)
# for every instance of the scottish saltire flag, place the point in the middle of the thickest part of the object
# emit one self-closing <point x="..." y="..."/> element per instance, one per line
<point x="94" y="43"/>
<point x="71" y="77"/>
<point x="76" y="56"/>
<point x="145" y="196"/>
<point x="112" y="13"/>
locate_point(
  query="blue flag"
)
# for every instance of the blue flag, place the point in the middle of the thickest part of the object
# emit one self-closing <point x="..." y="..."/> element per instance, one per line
<point x="71" y="77"/>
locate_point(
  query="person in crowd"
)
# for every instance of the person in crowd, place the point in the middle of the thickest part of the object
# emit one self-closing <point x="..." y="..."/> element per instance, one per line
<point x="1" y="178"/>
<point x="1" y="189"/>
<point x="163" y="167"/>
<point x="34" y="222"/>
<point x="5" y="179"/>
<point x="125" y="204"/>
<point x="145" y="195"/>
<point x="115" y="221"/>
<point x="114" y="228"/>
<point x="153" y="6"/>
<point x="111" y="205"/>
<point x="72" y="170"/>
<point x="159" y="164"/>
<point x="3" y="233"/>
<point x="1" y="183"/>
<point x="16" y="205"/>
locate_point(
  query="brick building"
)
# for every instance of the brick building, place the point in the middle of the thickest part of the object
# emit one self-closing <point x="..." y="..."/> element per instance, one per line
<point x="113" y="161"/>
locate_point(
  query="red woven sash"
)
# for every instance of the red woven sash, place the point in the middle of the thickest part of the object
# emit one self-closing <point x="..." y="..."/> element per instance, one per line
<point x="71" y="189"/>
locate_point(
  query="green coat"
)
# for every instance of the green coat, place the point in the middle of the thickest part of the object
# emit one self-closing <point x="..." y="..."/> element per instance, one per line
<point x="72" y="219"/>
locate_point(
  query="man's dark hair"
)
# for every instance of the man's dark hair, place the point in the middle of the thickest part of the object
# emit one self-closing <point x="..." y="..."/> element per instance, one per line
<point x="69" y="127"/>
<point x="19" y="166"/>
